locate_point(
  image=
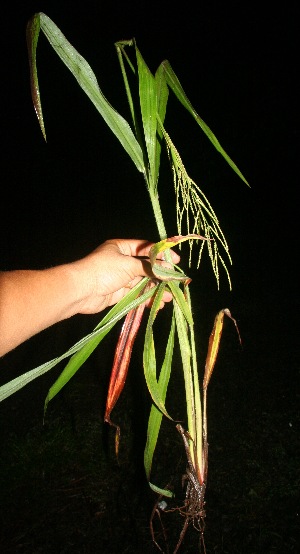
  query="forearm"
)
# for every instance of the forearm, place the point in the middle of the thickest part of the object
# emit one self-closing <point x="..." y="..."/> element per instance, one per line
<point x="32" y="300"/>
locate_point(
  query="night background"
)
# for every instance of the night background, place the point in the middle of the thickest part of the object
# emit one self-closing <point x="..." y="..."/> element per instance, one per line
<point x="62" y="488"/>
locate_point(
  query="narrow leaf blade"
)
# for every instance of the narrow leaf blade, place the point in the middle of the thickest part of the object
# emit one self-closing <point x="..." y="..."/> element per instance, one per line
<point x="74" y="364"/>
<point x="162" y="93"/>
<point x="148" y="103"/>
<point x="214" y="343"/>
<point x="175" y="85"/>
<point x="32" y="36"/>
<point x="118" y="311"/>
<point x="149" y="359"/>
<point x="86" y="78"/>
<point x="163" y="492"/>
<point x="155" y="417"/>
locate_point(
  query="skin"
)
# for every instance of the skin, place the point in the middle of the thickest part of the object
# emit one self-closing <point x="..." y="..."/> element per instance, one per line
<point x="32" y="300"/>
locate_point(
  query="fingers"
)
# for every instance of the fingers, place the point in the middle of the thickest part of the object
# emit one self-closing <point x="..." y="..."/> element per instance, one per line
<point x="167" y="296"/>
<point x="133" y="247"/>
<point x="140" y="248"/>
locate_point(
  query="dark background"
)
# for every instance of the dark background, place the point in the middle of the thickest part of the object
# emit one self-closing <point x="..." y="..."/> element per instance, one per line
<point x="239" y="67"/>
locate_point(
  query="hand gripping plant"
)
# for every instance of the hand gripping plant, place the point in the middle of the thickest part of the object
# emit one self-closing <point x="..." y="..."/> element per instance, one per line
<point x="197" y="224"/>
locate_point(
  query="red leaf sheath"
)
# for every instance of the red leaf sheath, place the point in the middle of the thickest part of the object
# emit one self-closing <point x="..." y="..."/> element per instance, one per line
<point x="121" y="362"/>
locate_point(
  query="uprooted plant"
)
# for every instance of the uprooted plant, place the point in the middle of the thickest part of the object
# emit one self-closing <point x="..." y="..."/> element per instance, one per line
<point x="197" y="224"/>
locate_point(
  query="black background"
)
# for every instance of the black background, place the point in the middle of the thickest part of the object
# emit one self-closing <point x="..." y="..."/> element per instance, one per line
<point x="239" y="67"/>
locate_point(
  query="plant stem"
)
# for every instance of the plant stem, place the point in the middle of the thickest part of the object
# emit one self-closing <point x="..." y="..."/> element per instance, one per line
<point x="158" y="214"/>
<point x="159" y="220"/>
<point x="188" y="354"/>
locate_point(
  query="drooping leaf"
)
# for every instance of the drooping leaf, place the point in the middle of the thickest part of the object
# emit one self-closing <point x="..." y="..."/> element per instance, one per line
<point x="121" y="362"/>
<point x="199" y="458"/>
<point x="112" y="317"/>
<point x="78" y="359"/>
<point x="149" y="358"/>
<point x="175" y="85"/>
<point x="186" y="355"/>
<point x="85" y="77"/>
<point x="73" y="365"/>
<point x="179" y="297"/>
<point x="213" y="349"/>
<point x="122" y="357"/>
<point x="32" y="36"/>
<point x="165" y="273"/>
<point x="155" y="418"/>
<point x="214" y="343"/>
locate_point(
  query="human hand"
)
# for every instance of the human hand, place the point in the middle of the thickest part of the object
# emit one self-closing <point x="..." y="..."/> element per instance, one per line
<point x="32" y="300"/>
<point x="107" y="273"/>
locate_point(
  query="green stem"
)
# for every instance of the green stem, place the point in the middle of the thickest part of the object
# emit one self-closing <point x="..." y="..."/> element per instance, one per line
<point x="158" y="214"/>
<point x="159" y="220"/>
<point x="187" y="352"/>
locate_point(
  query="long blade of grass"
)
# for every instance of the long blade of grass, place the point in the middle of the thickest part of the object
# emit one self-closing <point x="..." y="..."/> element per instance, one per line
<point x="181" y="301"/>
<point x="74" y="364"/>
<point x="120" y="53"/>
<point x="162" y="93"/>
<point x="154" y="92"/>
<point x="114" y="315"/>
<point x="175" y="85"/>
<point x="155" y="417"/>
<point x="149" y="358"/>
<point x="200" y="459"/>
<point x="32" y="36"/>
<point x="148" y="103"/>
<point x="82" y="355"/>
<point x="185" y="350"/>
<point x="85" y="77"/>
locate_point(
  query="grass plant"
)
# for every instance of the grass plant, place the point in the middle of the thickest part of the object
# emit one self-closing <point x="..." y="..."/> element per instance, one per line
<point x="145" y="140"/>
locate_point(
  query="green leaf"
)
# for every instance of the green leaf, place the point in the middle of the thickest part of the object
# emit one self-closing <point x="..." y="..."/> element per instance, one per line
<point x="114" y="315"/>
<point x="32" y="36"/>
<point x="148" y="102"/>
<point x="162" y="93"/>
<point x="186" y="354"/>
<point x="165" y="273"/>
<point x="121" y="53"/>
<point x="149" y="359"/>
<point x="199" y="463"/>
<point x="76" y="361"/>
<point x="168" y="274"/>
<point x="175" y="85"/>
<point x="86" y="78"/>
<point x="155" y="417"/>
<point x="181" y="301"/>
<point x="164" y="492"/>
